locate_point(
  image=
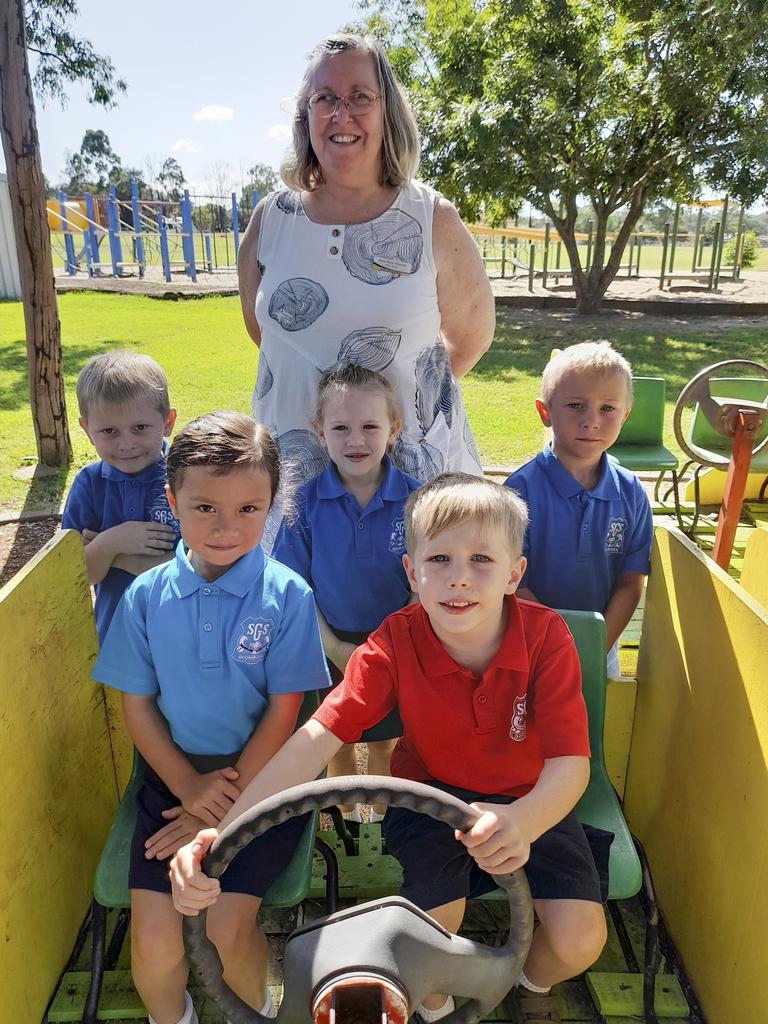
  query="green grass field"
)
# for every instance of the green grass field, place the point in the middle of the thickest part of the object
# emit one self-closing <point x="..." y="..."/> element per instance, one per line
<point x="211" y="363"/>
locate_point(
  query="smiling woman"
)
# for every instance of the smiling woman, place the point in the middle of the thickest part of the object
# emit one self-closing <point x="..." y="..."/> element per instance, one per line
<point x="357" y="263"/>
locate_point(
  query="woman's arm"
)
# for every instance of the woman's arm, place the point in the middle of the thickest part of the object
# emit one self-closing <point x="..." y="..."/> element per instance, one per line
<point x="464" y="296"/>
<point x="248" y="273"/>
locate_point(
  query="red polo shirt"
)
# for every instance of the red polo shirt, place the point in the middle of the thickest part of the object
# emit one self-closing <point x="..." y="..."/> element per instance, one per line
<point x="489" y="734"/>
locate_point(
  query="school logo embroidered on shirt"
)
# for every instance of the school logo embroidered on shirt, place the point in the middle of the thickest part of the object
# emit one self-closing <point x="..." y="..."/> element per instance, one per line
<point x="614" y="541"/>
<point x="518" y="728"/>
<point x="160" y="512"/>
<point x="253" y="641"/>
<point x="397" y="536"/>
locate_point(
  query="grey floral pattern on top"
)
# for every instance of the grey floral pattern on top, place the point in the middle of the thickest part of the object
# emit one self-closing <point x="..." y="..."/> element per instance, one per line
<point x="289" y="202"/>
<point x="296" y="303"/>
<point x="381" y="250"/>
<point x="434" y="386"/>
<point x="373" y="347"/>
<point x="302" y="455"/>
<point x="419" y="459"/>
<point x="264" y="378"/>
<point x="469" y="441"/>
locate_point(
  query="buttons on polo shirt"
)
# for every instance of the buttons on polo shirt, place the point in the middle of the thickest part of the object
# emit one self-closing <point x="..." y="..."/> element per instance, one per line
<point x="482" y="699"/>
<point x="335" y="232"/>
<point x="361" y="525"/>
<point x="207" y="627"/>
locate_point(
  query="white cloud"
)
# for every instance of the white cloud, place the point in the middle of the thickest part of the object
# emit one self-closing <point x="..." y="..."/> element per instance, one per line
<point x="279" y="131"/>
<point x="214" y="112"/>
<point x="184" y="146"/>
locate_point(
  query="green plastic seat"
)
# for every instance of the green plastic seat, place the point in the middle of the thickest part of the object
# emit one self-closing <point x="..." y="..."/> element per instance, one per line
<point x="640" y="446"/>
<point x="755" y="389"/>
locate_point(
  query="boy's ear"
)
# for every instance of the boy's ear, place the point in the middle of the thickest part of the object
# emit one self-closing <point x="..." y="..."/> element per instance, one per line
<point x="84" y="425"/>
<point x="170" y="419"/>
<point x="543" y="412"/>
<point x="518" y="571"/>
<point x="171" y="499"/>
<point x="410" y="574"/>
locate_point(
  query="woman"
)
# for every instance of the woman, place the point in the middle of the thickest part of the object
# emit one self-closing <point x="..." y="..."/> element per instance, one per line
<point x="356" y="263"/>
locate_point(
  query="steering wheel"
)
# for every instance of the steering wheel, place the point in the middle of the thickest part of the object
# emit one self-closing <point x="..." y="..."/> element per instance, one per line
<point x="430" y="958"/>
<point x="720" y="412"/>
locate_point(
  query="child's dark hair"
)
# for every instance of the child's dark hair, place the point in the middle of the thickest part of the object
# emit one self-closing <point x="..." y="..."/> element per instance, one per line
<point x="221" y="442"/>
<point x="342" y="379"/>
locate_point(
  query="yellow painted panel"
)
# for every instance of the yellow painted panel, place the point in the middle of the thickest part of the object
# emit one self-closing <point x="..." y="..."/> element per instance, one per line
<point x="56" y="773"/>
<point x="617" y="733"/>
<point x="697" y="784"/>
<point x="754" y="573"/>
<point x="712" y="485"/>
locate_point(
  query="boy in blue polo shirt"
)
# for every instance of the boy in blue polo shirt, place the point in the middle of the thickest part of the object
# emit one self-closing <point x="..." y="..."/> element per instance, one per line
<point x="590" y="526"/>
<point x="118" y="504"/>
<point x="212" y="652"/>
<point x="348" y="537"/>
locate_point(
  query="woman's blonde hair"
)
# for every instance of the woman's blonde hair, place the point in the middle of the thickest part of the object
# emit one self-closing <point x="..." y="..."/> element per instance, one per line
<point x="401" y="146"/>
<point x="453" y="499"/>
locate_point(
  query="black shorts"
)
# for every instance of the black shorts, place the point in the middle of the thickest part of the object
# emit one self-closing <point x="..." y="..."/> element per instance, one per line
<point x="390" y="727"/>
<point x="251" y="871"/>
<point x="568" y="862"/>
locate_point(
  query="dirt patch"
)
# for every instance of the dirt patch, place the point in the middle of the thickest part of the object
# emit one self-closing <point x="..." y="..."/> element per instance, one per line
<point x="19" y="541"/>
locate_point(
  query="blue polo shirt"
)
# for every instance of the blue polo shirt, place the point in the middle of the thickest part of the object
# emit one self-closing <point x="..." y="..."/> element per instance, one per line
<point x="101" y="497"/>
<point x="578" y="541"/>
<point x="214" y="652"/>
<point x="350" y="556"/>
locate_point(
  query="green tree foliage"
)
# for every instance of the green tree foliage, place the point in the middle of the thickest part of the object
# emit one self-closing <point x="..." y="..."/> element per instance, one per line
<point x="261" y="179"/>
<point x="562" y="101"/>
<point x="171" y="180"/>
<point x="92" y="168"/>
<point x="63" y="59"/>
<point x="749" y="250"/>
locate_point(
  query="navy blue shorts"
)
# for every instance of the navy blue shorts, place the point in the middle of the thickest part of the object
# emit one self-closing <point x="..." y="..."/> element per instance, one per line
<point x="390" y="727"/>
<point x="251" y="871"/>
<point x="565" y="863"/>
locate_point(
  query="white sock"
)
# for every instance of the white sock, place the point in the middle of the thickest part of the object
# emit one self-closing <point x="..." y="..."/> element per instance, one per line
<point x="429" y="1016"/>
<point x="188" y="1017"/>
<point x="268" y="1009"/>
<point x="523" y="982"/>
<point x="375" y="817"/>
<point x="353" y="815"/>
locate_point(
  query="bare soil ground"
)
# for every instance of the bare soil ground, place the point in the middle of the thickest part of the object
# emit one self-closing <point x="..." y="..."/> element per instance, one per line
<point x="19" y="541"/>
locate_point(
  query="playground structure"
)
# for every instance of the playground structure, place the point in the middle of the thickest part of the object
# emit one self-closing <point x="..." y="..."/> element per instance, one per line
<point x="139" y="234"/>
<point x="538" y="252"/>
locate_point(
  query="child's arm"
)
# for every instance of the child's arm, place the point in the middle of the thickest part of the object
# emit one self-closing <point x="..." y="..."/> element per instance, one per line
<point x="625" y="597"/>
<point x="336" y="650"/>
<point x="299" y="760"/>
<point x="207" y="796"/>
<point x="500" y="841"/>
<point x="154" y="540"/>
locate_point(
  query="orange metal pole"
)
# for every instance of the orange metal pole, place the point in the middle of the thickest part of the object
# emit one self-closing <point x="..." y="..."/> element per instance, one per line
<point x="733" y="496"/>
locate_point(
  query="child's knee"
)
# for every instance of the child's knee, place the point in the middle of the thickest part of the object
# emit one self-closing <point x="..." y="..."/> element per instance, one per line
<point x="155" y="944"/>
<point x="577" y="933"/>
<point x="234" y="934"/>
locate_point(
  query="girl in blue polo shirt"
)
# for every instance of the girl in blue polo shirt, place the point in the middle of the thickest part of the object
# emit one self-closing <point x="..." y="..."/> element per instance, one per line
<point x="211" y="651"/>
<point x="347" y="538"/>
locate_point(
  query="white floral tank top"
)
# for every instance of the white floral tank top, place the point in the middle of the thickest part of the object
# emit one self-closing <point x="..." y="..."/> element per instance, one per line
<point x="332" y="294"/>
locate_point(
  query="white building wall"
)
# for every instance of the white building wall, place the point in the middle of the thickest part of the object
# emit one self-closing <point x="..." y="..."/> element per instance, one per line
<point x="10" y="283"/>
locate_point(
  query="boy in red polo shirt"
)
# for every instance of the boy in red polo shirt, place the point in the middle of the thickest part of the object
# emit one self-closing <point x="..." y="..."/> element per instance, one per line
<point x="473" y="669"/>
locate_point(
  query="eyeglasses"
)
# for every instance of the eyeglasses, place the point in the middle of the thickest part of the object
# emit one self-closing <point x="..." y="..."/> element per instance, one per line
<point x="359" y="103"/>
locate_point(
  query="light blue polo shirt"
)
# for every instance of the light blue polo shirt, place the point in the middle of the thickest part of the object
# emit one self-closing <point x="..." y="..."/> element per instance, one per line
<point x="102" y="497"/>
<point x="578" y="541"/>
<point x="351" y="557"/>
<point x="213" y="652"/>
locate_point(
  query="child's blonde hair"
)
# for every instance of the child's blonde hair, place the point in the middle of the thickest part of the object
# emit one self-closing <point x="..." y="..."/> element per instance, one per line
<point x="348" y="377"/>
<point x="119" y="377"/>
<point x="590" y="356"/>
<point x="452" y="499"/>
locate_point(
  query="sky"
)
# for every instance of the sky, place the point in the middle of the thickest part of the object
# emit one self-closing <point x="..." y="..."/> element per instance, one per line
<point x="208" y="83"/>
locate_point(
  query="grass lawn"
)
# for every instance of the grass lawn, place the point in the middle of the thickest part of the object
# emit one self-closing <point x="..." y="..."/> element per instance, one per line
<point x="211" y="364"/>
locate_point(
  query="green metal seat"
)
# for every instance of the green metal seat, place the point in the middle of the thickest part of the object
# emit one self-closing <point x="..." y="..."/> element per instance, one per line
<point x="701" y="433"/>
<point x="110" y="885"/>
<point x="640" y="445"/>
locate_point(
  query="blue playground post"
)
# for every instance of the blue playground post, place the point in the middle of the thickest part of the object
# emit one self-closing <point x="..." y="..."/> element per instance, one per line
<point x="254" y="199"/>
<point x="164" y="254"/>
<point x="70" y="262"/>
<point x="113" y="226"/>
<point x="91" y="238"/>
<point x="138" y="244"/>
<point x="235" y="225"/>
<point x="187" y="238"/>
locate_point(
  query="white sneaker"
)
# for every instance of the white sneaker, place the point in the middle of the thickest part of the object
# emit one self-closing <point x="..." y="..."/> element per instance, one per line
<point x="268" y="1009"/>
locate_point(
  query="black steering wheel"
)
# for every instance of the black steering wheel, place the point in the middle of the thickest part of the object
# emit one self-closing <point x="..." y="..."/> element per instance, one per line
<point x="484" y="974"/>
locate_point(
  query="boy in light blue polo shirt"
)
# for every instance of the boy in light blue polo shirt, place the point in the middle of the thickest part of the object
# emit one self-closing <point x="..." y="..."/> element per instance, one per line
<point x="118" y="504"/>
<point x="212" y="652"/>
<point x="590" y="526"/>
<point x="348" y="537"/>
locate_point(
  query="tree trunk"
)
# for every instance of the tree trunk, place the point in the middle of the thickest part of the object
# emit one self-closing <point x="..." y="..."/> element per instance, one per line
<point x="33" y="242"/>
